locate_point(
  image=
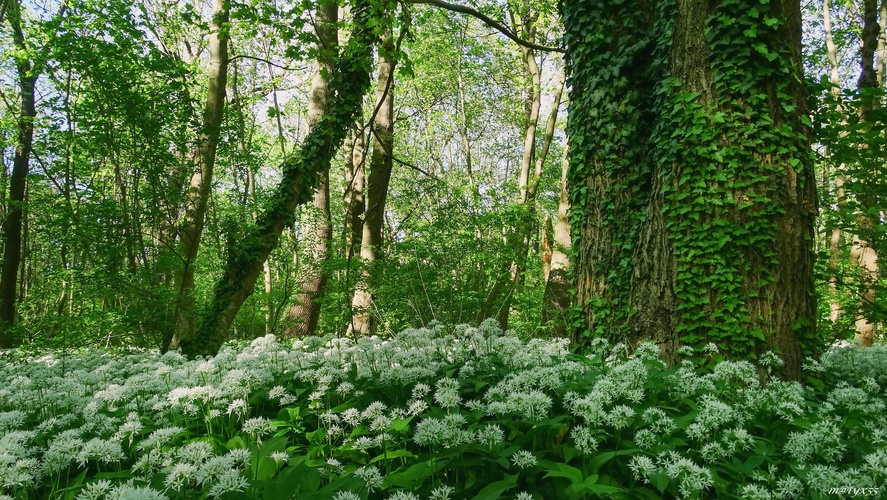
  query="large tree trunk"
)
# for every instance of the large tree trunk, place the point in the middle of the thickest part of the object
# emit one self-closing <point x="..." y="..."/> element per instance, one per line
<point x="12" y="225"/>
<point x="300" y="174"/>
<point x="204" y="157"/>
<point x="376" y="192"/>
<point x="556" y="300"/>
<point x="691" y="180"/>
<point x="302" y="317"/>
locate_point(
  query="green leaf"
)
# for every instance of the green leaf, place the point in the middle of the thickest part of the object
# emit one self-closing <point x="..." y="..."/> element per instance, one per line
<point x="493" y="491"/>
<point x="559" y="469"/>
<point x="235" y="442"/>
<point x="265" y="466"/>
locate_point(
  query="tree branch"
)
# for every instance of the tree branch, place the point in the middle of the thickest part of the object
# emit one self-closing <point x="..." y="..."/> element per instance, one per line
<point x="286" y="68"/>
<point x="462" y="9"/>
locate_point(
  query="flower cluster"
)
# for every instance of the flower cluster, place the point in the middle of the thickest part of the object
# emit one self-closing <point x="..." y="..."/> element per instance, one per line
<point x="435" y="413"/>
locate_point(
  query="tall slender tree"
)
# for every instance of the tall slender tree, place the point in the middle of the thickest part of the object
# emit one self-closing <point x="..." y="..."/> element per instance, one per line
<point x="348" y="84"/>
<point x="302" y="317"/>
<point x="204" y="157"/>
<point x="12" y="225"/>
<point x="376" y="189"/>
<point x="556" y="301"/>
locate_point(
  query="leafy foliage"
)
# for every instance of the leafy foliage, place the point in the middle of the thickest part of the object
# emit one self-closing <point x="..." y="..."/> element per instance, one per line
<point x="445" y="412"/>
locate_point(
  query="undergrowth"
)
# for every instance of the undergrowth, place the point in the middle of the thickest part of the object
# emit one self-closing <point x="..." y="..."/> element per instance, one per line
<point x="439" y="412"/>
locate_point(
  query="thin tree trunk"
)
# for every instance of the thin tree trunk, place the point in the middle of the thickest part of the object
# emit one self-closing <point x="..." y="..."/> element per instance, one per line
<point x="556" y="300"/>
<point x="204" y="156"/>
<point x="463" y="115"/>
<point x="882" y="43"/>
<point x="354" y="202"/>
<point x="348" y="83"/>
<point x="302" y="317"/>
<point x="377" y="192"/>
<point x="862" y="254"/>
<point x="836" y="236"/>
<point x="12" y="225"/>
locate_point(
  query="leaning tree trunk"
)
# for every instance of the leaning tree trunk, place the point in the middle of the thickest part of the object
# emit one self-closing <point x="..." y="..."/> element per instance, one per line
<point x="692" y="188"/>
<point x="376" y="192"/>
<point x="348" y="83"/>
<point x="302" y="317"/>
<point x="204" y="157"/>
<point x="12" y="225"/>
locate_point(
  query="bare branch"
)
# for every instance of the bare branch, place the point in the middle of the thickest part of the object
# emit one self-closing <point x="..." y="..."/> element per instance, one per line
<point x="462" y="9"/>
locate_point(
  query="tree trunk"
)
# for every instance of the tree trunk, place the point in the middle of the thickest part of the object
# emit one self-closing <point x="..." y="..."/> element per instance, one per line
<point x="463" y="115"/>
<point x="12" y="225"/>
<point x="691" y="182"/>
<point x="302" y="317"/>
<point x="300" y="174"/>
<point x="556" y="300"/>
<point x="204" y="157"/>
<point x="862" y="254"/>
<point x="836" y="236"/>
<point x="354" y="203"/>
<point x="376" y="192"/>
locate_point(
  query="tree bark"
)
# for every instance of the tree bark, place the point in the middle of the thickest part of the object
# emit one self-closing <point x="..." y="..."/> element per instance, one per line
<point x="376" y="192"/>
<point x="300" y="175"/>
<point x="204" y="157"/>
<point x="12" y="225"/>
<point x="302" y="317"/>
<point x="556" y="300"/>
<point x="354" y="185"/>
<point x="694" y="222"/>
<point x="862" y="254"/>
<point x="840" y="179"/>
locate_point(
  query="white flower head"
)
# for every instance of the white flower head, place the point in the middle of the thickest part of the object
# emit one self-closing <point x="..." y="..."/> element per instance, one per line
<point x="523" y="459"/>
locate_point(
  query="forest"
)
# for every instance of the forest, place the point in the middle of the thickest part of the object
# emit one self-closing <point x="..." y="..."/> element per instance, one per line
<point x="404" y="249"/>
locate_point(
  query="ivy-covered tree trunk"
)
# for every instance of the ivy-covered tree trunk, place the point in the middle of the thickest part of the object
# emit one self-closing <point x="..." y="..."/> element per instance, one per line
<point x="302" y="317"/>
<point x="376" y="192"/>
<point x="348" y="83"/>
<point x="204" y="158"/>
<point x="12" y="224"/>
<point x="691" y="184"/>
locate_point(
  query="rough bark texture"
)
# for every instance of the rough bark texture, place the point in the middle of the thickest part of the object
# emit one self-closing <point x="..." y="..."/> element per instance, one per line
<point x="302" y="317"/>
<point x="347" y="86"/>
<point x="376" y="192"/>
<point x="684" y="238"/>
<point x="12" y="225"/>
<point x="204" y="157"/>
